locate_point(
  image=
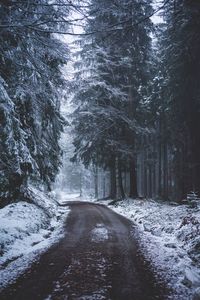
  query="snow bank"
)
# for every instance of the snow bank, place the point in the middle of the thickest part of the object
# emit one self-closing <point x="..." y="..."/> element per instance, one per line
<point x="26" y="230"/>
<point x="170" y="238"/>
<point x="48" y="204"/>
<point x="18" y="221"/>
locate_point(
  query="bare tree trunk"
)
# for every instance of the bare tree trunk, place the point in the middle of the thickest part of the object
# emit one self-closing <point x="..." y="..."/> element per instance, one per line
<point x="150" y="181"/>
<point x="124" y="181"/>
<point x="81" y="190"/>
<point x="133" y="180"/>
<point x="154" y="181"/>
<point x="104" y="186"/>
<point x="133" y="102"/>
<point x="160" y="163"/>
<point x="120" y="182"/>
<point x="165" y="175"/>
<point x="96" y="182"/>
<point x="113" y="184"/>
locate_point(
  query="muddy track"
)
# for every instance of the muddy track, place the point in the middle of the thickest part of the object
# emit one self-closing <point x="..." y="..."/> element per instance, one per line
<point x="97" y="259"/>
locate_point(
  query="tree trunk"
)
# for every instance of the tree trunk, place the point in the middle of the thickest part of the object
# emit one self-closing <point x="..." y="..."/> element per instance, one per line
<point x="96" y="182"/>
<point x="104" y="186"/>
<point x="160" y="161"/>
<point x="133" y="180"/>
<point x="120" y="181"/>
<point x="113" y="185"/>
<point x="125" y="182"/>
<point x="150" y="181"/>
<point x="165" y="175"/>
<point x="81" y="190"/>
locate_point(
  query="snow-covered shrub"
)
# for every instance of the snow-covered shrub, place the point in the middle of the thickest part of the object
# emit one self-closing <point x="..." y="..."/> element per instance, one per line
<point x="189" y="228"/>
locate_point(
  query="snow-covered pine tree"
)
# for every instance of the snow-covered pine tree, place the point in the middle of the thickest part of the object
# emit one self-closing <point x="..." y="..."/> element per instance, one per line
<point x="31" y="82"/>
<point x="110" y="86"/>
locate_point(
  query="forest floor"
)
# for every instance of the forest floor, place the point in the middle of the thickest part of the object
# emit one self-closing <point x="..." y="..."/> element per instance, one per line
<point x="98" y="258"/>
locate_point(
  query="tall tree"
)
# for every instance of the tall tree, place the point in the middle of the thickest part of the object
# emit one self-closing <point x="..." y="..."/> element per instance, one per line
<point x="110" y="85"/>
<point x="181" y="50"/>
<point x="31" y="83"/>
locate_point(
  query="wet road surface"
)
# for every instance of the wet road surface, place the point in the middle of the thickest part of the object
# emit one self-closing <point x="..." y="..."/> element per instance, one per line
<point x="97" y="259"/>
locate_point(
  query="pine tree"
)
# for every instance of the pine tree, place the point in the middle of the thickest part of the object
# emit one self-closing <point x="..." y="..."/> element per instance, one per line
<point x="31" y="84"/>
<point x="110" y="88"/>
<point x="181" y="48"/>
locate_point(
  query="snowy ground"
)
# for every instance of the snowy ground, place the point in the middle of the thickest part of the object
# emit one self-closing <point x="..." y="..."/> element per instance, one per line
<point x="27" y="230"/>
<point x="170" y="239"/>
<point x="169" y="236"/>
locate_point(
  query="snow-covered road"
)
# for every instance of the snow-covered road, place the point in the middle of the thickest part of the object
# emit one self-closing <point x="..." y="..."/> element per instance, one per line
<point x="98" y="258"/>
<point x="167" y="238"/>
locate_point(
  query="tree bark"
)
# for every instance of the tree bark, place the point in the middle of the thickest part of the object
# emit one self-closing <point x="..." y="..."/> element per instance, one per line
<point x="113" y="185"/>
<point x="120" y="181"/>
<point x="133" y="180"/>
<point x="96" y="182"/>
<point x="81" y="190"/>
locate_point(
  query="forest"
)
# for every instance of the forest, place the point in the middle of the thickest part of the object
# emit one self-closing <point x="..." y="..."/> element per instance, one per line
<point x="100" y="149"/>
<point x="135" y="92"/>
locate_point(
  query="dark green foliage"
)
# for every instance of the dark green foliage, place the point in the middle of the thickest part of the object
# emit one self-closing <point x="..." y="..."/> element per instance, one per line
<point x="138" y="105"/>
<point x="181" y="90"/>
<point x="111" y="83"/>
<point x="31" y="84"/>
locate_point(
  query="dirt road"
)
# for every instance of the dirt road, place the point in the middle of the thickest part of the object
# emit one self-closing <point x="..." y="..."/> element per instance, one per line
<point x="97" y="259"/>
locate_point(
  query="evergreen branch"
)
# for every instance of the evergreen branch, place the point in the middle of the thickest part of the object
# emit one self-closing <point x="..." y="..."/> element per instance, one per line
<point x="108" y="29"/>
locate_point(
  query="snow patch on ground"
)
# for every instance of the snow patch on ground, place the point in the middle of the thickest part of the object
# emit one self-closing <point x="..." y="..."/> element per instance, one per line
<point x="99" y="233"/>
<point x="169" y="236"/>
<point x="27" y="230"/>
